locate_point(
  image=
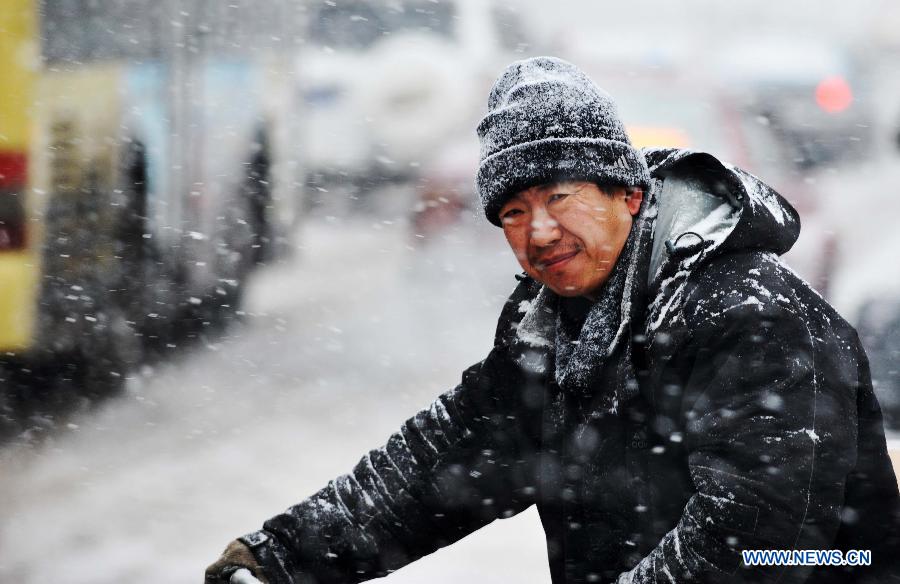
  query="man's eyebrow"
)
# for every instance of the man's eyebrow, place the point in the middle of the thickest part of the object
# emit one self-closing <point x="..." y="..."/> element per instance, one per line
<point x="564" y="189"/>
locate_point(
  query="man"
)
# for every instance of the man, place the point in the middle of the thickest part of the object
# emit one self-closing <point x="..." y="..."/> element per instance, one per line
<point x="661" y="386"/>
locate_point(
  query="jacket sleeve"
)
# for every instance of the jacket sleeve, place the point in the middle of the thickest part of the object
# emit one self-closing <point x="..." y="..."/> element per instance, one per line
<point x="769" y="430"/>
<point x="450" y="469"/>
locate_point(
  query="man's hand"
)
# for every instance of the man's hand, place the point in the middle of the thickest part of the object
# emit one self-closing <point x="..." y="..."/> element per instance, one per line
<point x="236" y="555"/>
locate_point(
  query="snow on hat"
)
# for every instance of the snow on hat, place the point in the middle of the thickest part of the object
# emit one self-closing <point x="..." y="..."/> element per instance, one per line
<point x="548" y="121"/>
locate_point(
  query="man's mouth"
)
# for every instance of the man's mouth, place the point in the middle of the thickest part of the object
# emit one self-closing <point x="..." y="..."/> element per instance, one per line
<point x="556" y="261"/>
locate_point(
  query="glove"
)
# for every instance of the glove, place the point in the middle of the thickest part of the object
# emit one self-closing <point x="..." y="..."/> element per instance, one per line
<point x="236" y="556"/>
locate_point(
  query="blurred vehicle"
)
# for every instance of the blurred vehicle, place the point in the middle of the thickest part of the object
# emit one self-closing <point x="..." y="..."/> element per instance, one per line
<point x="145" y="169"/>
<point x="386" y="84"/>
<point x="806" y="94"/>
<point x="878" y="324"/>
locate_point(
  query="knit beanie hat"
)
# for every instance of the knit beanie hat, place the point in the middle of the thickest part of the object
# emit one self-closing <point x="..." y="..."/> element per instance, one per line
<point x="547" y="121"/>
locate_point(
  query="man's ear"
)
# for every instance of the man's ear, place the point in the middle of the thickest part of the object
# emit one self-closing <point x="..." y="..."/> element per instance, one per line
<point x="633" y="198"/>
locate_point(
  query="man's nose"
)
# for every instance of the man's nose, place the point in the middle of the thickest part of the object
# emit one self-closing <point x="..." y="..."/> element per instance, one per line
<point x="544" y="229"/>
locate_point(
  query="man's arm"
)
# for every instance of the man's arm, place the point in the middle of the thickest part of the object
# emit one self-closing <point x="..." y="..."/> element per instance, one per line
<point x="451" y="469"/>
<point x="446" y="473"/>
<point x="770" y="439"/>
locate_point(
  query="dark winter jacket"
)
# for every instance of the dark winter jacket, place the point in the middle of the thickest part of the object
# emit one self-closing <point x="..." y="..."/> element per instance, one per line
<point x="733" y="411"/>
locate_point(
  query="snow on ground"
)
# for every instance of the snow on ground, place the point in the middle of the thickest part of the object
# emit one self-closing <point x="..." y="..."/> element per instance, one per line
<point x="340" y="345"/>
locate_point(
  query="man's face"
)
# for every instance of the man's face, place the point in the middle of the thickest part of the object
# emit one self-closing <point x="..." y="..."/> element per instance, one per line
<point x="569" y="235"/>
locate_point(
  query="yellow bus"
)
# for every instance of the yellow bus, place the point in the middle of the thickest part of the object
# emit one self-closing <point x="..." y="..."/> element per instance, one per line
<point x="18" y="257"/>
<point x="146" y="166"/>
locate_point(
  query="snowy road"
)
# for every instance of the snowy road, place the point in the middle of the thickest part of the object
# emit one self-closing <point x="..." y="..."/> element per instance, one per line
<point x="339" y="347"/>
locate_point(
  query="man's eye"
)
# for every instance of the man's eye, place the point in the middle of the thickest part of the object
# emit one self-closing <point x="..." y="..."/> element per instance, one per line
<point x="511" y="214"/>
<point x="557" y="197"/>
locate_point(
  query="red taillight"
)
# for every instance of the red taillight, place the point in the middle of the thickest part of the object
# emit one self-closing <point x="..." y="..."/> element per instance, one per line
<point x="833" y="94"/>
<point x="13" y="170"/>
<point x="13" y="175"/>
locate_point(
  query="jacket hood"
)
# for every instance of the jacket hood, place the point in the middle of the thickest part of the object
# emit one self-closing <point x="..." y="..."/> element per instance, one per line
<point x="707" y="208"/>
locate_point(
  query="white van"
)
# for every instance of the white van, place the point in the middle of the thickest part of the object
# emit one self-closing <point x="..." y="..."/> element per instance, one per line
<point x="385" y="84"/>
